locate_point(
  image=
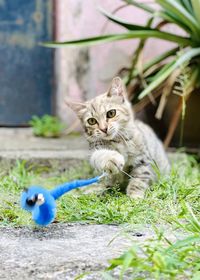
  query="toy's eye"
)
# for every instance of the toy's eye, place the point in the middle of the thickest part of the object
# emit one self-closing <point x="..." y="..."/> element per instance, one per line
<point x="111" y="114"/>
<point x="92" y="121"/>
<point x="32" y="200"/>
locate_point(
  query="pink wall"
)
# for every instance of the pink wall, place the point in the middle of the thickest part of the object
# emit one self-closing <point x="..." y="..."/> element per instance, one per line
<point x="83" y="73"/>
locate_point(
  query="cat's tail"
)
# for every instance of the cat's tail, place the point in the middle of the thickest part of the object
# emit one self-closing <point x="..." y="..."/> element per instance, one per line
<point x="66" y="187"/>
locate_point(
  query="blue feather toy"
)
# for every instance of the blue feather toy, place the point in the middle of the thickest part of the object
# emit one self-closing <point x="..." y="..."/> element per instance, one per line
<point x="42" y="203"/>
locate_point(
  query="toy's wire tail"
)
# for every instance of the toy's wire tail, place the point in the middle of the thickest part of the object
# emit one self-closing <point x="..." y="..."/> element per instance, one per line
<point x="66" y="187"/>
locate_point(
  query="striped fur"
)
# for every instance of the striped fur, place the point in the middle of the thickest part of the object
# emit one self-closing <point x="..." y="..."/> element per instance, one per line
<point x="121" y="142"/>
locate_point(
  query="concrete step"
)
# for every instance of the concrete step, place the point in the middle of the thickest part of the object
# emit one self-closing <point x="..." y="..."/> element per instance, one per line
<point x="20" y="144"/>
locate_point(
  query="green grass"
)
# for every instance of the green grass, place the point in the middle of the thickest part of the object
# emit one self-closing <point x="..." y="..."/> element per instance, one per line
<point x="173" y="201"/>
<point x="161" y="258"/>
<point x="162" y="202"/>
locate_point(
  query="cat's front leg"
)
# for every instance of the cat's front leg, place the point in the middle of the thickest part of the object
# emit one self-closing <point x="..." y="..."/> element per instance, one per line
<point x="142" y="178"/>
<point x="108" y="161"/>
<point x="136" y="187"/>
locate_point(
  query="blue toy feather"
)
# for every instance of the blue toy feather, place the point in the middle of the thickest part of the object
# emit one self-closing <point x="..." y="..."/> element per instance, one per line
<point x="66" y="187"/>
<point x="41" y="202"/>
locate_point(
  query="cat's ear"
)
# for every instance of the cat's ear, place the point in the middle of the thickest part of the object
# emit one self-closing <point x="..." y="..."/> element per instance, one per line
<point x="77" y="107"/>
<point x="117" y="88"/>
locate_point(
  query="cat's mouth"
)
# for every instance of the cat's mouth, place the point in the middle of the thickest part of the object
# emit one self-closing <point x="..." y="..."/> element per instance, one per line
<point x="109" y="136"/>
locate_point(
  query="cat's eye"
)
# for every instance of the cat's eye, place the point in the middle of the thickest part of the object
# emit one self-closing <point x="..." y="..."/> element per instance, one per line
<point x="92" y="121"/>
<point x="111" y="114"/>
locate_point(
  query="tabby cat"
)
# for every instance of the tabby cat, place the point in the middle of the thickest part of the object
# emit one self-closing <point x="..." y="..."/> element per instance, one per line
<point x="121" y="144"/>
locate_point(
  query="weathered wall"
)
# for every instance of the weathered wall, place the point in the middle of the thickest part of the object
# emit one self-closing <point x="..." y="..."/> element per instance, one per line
<point x="26" y="69"/>
<point x="85" y="72"/>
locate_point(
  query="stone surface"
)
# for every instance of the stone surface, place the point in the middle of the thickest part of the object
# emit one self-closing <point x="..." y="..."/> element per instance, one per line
<point x="63" y="251"/>
<point x="19" y="143"/>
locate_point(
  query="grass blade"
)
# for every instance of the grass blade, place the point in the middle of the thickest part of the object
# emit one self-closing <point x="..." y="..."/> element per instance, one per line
<point x="185" y="242"/>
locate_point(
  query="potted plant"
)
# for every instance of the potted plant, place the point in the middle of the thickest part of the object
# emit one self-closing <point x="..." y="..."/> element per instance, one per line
<point x="174" y="72"/>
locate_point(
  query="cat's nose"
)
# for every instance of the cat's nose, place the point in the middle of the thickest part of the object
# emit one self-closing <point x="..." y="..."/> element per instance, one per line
<point x="104" y="129"/>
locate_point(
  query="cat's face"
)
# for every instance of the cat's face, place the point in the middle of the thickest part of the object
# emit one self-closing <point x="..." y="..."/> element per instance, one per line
<point x="106" y="116"/>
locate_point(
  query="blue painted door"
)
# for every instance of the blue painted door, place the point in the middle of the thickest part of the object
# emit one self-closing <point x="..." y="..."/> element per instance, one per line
<point x="26" y="69"/>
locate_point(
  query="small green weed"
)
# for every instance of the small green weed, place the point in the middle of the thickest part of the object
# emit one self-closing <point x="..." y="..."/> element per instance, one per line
<point x="46" y="126"/>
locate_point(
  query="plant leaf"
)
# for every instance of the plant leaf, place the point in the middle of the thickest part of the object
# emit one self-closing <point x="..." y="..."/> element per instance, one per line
<point x="174" y="64"/>
<point x="137" y="55"/>
<point x="142" y="6"/>
<point x="143" y="34"/>
<point x="174" y="7"/>
<point x="129" y="26"/>
<point x="188" y="6"/>
<point x="156" y="60"/>
<point x="171" y="19"/>
<point x="196" y="9"/>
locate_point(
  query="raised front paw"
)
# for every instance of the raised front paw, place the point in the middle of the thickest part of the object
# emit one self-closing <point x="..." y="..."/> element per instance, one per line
<point x="114" y="165"/>
<point x="107" y="161"/>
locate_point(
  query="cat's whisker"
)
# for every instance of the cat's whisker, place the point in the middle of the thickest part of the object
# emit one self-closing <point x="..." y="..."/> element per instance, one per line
<point x="90" y="136"/>
<point x="122" y="137"/>
<point x="125" y="134"/>
<point x="127" y="174"/>
<point x="126" y="131"/>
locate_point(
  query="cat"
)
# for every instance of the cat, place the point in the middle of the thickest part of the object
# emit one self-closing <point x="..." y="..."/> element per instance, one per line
<point x="120" y="143"/>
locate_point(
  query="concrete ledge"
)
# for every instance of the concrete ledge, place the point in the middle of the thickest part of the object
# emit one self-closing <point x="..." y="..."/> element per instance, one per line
<point x="44" y="155"/>
<point x="20" y="144"/>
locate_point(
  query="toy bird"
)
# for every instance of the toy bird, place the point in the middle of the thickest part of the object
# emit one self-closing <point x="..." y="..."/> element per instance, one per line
<point x="42" y="202"/>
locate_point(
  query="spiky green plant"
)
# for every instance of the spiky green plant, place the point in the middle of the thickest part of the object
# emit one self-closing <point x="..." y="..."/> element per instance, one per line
<point x="46" y="126"/>
<point x="157" y="73"/>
